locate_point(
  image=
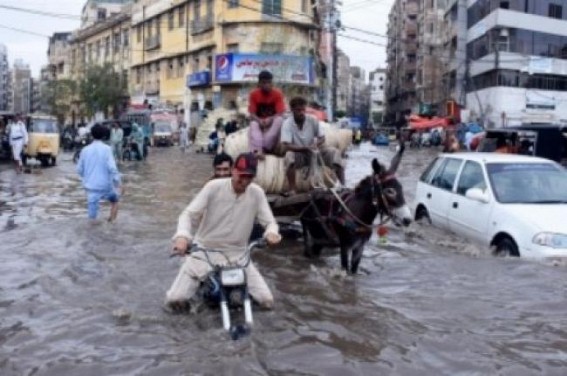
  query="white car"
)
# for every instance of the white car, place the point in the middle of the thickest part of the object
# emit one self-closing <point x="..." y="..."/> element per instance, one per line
<point x="517" y="205"/>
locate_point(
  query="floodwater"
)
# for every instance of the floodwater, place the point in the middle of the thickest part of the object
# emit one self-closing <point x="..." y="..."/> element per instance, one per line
<point x="77" y="299"/>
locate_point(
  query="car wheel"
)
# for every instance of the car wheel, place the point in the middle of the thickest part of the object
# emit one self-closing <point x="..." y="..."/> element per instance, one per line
<point x="423" y="215"/>
<point x="53" y="161"/>
<point x="506" y="247"/>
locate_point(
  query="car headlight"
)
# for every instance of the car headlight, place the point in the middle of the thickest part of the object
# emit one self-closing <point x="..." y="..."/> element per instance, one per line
<point x="550" y="239"/>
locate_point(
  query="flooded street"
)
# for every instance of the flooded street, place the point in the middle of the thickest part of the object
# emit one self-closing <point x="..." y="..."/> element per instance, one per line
<point x="77" y="299"/>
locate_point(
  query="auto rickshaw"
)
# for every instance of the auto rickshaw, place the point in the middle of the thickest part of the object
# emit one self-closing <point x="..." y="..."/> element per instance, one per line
<point x="44" y="138"/>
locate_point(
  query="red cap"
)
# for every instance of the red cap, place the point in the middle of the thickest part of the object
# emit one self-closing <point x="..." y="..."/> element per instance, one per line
<point x="246" y="163"/>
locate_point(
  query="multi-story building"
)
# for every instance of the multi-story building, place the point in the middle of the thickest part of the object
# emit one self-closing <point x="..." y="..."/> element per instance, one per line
<point x="517" y="54"/>
<point x="4" y="78"/>
<point x="431" y="59"/>
<point x="377" y="96"/>
<point x="95" y="11"/>
<point x="58" y="56"/>
<point x="105" y="42"/>
<point x="21" y="88"/>
<point x="358" y="97"/>
<point x="208" y="53"/>
<point x="343" y="82"/>
<point x="402" y="52"/>
<point x="455" y="52"/>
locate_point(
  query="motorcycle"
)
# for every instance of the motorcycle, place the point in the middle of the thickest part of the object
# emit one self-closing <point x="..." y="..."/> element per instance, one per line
<point x="80" y="143"/>
<point x="226" y="287"/>
<point x="131" y="150"/>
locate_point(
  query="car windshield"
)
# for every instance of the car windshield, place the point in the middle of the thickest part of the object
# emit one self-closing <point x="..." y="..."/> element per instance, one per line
<point x="44" y="126"/>
<point x="528" y="183"/>
<point x="162" y="127"/>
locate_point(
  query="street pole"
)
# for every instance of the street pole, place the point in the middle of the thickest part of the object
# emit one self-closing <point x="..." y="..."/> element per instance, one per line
<point x="330" y="30"/>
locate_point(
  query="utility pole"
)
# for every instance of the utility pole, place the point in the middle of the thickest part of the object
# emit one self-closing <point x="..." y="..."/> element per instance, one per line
<point x="330" y="27"/>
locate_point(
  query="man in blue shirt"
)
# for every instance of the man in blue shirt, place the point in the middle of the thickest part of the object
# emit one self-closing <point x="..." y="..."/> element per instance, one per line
<point x="100" y="175"/>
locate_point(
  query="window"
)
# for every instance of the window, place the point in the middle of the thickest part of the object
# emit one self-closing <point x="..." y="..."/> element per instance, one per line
<point x="210" y="6"/>
<point x="116" y="42"/>
<point x="170" y="20"/>
<point x="181" y="20"/>
<point x="195" y="65"/>
<point x="97" y="50"/>
<point x="233" y="3"/>
<point x="272" y="7"/>
<point x="138" y="75"/>
<point x="446" y="174"/>
<point x="158" y="25"/>
<point x="555" y="11"/>
<point x="232" y="48"/>
<point x="170" y="68"/>
<point x="471" y="177"/>
<point x="197" y="10"/>
<point x="125" y="38"/>
<point x="106" y="46"/>
<point x="150" y="28"/>
<point x="180" y="66"/>
<point x="139" y="33"/>
<point x="271" y="48"/>
<point x="428" y="173"/>
<point x="304" y="6"/>
<point x="101" y="14"/>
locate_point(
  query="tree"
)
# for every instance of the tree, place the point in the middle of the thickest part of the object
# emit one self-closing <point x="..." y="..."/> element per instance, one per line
<point x="57" y="95"/>
<point x="101" y="89"/>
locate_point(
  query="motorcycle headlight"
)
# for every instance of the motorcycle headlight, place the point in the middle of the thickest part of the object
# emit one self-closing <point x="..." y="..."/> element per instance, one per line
<point x="550" y="239"/>
<point x="233" y="277"/>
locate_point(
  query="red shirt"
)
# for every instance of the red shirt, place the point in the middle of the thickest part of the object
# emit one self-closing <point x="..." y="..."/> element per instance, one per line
<point x="267" y="104"/>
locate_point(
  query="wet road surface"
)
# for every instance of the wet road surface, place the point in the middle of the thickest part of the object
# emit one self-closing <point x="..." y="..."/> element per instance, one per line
<point x="77" y="299"/>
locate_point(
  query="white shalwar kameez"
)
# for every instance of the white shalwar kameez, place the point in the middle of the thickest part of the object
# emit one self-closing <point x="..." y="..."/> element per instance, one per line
<point x="18" y="138"/>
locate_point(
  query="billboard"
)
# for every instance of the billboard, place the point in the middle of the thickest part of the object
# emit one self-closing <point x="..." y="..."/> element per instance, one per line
<point x="245" y="68"/>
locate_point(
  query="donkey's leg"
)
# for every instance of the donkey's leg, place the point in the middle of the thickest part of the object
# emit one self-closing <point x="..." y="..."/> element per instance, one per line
<point x="344" y="256"/>
<point x="357" y="250"/>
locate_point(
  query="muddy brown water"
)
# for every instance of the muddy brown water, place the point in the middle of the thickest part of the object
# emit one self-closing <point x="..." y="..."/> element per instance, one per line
<point x="77" y="299"/>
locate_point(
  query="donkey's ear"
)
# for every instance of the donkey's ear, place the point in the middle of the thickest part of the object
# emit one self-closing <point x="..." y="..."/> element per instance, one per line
<point x="376" y="166"/>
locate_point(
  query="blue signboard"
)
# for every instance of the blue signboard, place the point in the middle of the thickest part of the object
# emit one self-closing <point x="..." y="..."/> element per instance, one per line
<point x="246" y="67"/>
<point x="199" y="79"/>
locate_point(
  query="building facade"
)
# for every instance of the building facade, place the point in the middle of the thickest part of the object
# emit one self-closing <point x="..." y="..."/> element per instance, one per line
<point x="430" y="57"/>
<point x="343" y="82"/>
<point x="359" y="95"/>
<point x="401" y="57"/>
<point x="208" y="53"/>
<point x="517" y="54"/>
<point x="104" y="43"/>
<point x="96" y="11"/>
<point x="377" y="96"/>
<point x="22" y="88"/>
<point x="455" y="52"/>
<point x="4" y="79"/>
<point x="58" y="55"/>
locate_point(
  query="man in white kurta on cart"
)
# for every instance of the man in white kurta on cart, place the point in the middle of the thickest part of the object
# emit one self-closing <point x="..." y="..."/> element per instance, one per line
<point x="221" y="217"/>
<point x="18" y="138"/>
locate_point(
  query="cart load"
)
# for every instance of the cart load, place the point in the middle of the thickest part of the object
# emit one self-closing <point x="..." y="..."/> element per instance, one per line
<point x="271" y="174"/>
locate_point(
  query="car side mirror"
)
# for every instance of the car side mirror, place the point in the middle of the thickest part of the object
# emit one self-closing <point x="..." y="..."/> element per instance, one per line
<point x="478" y="194"/>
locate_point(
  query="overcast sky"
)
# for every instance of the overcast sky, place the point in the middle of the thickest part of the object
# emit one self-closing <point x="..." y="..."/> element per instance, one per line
<point x="368" y="15"/>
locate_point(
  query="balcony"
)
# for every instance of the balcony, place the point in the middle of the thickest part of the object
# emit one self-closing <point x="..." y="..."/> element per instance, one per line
<point x="153" y="42"/>
<point x="202" y="25"/>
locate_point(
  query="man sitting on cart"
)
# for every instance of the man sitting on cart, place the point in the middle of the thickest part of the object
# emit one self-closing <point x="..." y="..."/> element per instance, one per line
<point x="266" y="107"/>
<point x="301" y="137"/>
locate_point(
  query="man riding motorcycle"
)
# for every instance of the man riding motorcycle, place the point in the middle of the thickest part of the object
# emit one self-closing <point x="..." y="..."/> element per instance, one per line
<point x="221" y="217"/>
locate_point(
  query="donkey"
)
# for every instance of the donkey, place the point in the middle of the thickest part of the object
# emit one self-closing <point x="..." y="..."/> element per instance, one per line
<point x="345" y="220"/>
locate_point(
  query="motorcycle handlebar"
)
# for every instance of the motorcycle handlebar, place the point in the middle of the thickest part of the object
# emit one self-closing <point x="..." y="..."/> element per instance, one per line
<point x="260" y="243"/>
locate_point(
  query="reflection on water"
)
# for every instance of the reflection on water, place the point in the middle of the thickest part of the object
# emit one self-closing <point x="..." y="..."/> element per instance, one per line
<point x="78" y="299"/>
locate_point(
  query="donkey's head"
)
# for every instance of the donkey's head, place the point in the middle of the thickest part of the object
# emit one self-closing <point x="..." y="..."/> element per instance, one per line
<point x="388" y="192"/>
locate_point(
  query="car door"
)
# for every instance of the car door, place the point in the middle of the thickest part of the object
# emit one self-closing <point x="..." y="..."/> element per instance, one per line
<point x="439" y="192"/>
<point x="468" y="217"/>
